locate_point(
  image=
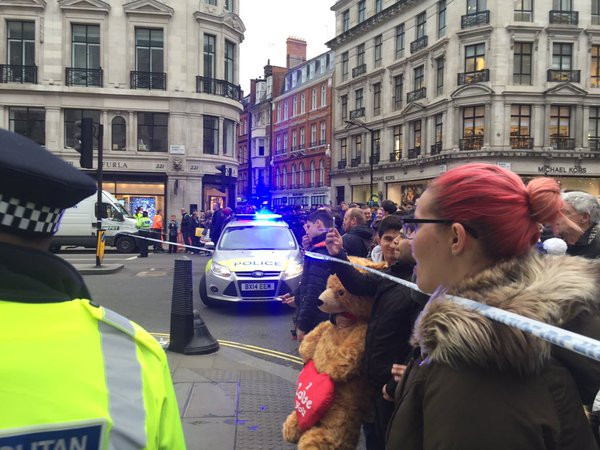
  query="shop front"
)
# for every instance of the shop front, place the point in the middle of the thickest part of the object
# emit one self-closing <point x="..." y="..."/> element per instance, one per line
<point x="405" y="194"/>
<point x="362" y="193"/>
<point x="213" y="191"/>
<point x="134" y="190"/>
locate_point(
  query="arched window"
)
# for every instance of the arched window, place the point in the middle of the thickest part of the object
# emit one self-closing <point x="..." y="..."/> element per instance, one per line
<point x="301" y="181"/>
<point x="293" y="175"/>
<point x="313" y="173"/>
<point x="118" y="133"/>
<point x="284" y="178"/>
<point x="277" y="179"/>
<point x="322" y="173"/>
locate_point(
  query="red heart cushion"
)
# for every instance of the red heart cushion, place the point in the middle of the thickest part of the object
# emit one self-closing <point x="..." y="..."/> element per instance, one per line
<point x="314" y="394"/>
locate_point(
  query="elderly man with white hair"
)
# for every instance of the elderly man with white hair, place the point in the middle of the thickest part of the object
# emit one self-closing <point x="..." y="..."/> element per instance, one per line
<point x="583" y="209"/>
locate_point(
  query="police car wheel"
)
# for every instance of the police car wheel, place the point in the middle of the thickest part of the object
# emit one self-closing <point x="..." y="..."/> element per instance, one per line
<point x="204" y="295"/>
<point x="125" y="244"/>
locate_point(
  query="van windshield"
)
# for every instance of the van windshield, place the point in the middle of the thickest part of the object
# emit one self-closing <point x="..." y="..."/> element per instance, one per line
<point x="257" y="238"/>
<point x="122" y="210"/>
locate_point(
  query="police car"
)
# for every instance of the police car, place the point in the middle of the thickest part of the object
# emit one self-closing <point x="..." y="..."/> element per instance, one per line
<point x="257" y="259"/>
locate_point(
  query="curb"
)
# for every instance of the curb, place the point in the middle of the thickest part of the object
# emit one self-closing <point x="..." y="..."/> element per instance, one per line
<point x="106" y="269"/>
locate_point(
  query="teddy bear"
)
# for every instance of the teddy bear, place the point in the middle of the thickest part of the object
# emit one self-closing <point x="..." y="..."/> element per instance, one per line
<point x="332" y="395"/>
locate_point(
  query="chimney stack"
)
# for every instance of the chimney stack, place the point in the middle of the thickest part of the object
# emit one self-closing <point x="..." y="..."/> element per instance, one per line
<point x="296" y="52"/>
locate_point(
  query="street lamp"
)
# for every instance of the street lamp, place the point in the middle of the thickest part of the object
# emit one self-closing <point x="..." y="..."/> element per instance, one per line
<point x="360" y="124"/>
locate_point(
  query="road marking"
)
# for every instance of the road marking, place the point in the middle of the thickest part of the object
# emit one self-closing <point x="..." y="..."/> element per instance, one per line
<point x="94" y="259"/>
<point x="261" y="348"/>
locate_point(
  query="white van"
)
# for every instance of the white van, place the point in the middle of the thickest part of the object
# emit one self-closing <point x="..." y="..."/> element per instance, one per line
<point x="78" y="225"/>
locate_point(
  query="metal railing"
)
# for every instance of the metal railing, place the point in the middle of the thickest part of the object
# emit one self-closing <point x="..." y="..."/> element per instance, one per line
<point x="562" y="143"/>
<point x="414" y="152"/>
<point x="374" y="159"/>
<point x="475" y="19"/>
<point x="564" y="17"/>
<point x="354" y="162"/>
<point x="75" y="76"/>
<point x="419" y="44"/>
<point x="359" y="70"/>
<point x="15" y="73"/>
<point x="471" y="143"/>
<point x="594" y="144"/>
<point x="416" y="95"/>
<point x="395" y="156"/>
<point x="478" y="76"/>
<point x="564" y="75"/>
<point x="359" y="112"/>
<point x="521" y="142"/>
<point x="436" y="148"/>
<point x="205" y="85"/>
<point x="148" y="80"/>
<point x="342" y="164"/>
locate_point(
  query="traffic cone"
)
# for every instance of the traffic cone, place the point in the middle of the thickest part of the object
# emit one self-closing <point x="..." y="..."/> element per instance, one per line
<point x="185" y="337"/>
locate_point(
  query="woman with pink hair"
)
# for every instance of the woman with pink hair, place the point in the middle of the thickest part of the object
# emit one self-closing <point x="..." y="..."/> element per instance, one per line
<point x="474" y="383"/>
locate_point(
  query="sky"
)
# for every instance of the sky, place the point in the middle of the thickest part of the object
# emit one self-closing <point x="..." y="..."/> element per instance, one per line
<point x="270" y="22"/>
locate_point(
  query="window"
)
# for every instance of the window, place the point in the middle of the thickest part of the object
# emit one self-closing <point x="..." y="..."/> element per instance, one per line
<point x="29" y="122"/>
<point x="400" y="41"/>
<point x="376" y="144"/>
<point x="211" y="135"/>
<point x="294" y="140"/>
<point x="294" y="106"/>
<point x="563" y="5"/>
<point x="343" y="149"/>
<point x="398" y="142"/>
<point x="211" y="2"/>
<point x="72" y="116"/>
<point x="118" y="132"/>
<point x="522" y="67"/>
<point x="278" y="144"/>
<point x="439" y="75"/>
<point x="322" y="173"/>
<point x="323" y="96"/>
<point x="149" y="50"/>
<point x="302" y="138"/>
<point x="278" y="112"/>
<point x="474" y="58"/>
<point x="360" y="54"/>
<point x="378" y="6"/>
<point x="358" y="99"/>
<point x="524" y="10"/>
<point x="475" y="6"/>
<point x="345" y="59"/>
<point x="415" y="136"/>
<point x="85" y="48"/>
<point x="285" y="142"/>
<point x="21" y="50"/>
<point x="441" y="18"/>
<point x="357" y="146"/>
<point x="323" y="136"/>
<point x="314" y="98"/>
<point x="595" y="12"/>
<point x="302" y="103"/>
<point x="398" y="91"/>
<point x="520" y="123"/>
<point x="594" y="129"/>
<point x="209" y="56"/>
<point x="313" y="135"/>
<point x="313" y="174"/>
<point x="261" y="148"/>
<point x="561" y="56"/>
<point x="439" y="128"/>
<point x="378" y="45"/>
<point x="362" y="10"/>
<point x="376" y="99"/>
<point x="346" y="20"/>
<point x="595" y="69"/>
<point x="284" y="178"/>
<point x="421" y="24"/>
<point x="152" y="132"/>
<point x="229" y="61"/>
<point x="419" y="73"/>
<point x="229" y="5"/>
<point x="473" y="124"/>
<point x="560" y="121"/>
<point x="301" y="179"/>
<point x="285" y="110"/>
<point x="344" y="108"/>
<point x="276" y="180"/>
<point x="228" y="137"/>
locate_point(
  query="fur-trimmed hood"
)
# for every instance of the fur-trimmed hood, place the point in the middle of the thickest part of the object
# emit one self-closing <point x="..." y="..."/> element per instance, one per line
<point x="551" y="289"/>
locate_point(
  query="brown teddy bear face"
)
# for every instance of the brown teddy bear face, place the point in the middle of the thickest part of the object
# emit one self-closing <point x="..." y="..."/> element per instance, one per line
<point x="336" y="299"/>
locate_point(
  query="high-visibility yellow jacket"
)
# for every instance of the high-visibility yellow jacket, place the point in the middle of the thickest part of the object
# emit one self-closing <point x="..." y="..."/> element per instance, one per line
<point x="75" y="373"/>
<point x="144" y="223"/>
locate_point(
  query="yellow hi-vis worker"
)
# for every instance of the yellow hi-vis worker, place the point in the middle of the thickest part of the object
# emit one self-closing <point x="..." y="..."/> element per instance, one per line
<point x="72" y="374"/>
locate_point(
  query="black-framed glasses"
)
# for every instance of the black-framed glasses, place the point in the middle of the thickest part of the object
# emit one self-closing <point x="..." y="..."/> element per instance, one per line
<point x="416" y="222"/>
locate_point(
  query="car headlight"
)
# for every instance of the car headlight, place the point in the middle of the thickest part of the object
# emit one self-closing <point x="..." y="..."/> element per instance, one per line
<point x="220" y="270"/>
<point x="293" y="268"/>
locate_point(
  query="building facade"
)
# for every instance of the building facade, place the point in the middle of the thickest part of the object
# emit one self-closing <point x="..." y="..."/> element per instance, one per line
<point x="162" y="79"/>
<point x="302" y="133"/>
<point x="424" y="86"/>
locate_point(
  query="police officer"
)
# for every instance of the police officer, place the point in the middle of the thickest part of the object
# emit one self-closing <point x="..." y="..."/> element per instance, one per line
<point x="73" y="374"/>
<point x="143" y="225"/>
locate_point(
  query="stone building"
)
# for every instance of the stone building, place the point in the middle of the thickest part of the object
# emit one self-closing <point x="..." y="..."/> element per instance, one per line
<point x="160" y="76"/>
<point x="423" y="86"/>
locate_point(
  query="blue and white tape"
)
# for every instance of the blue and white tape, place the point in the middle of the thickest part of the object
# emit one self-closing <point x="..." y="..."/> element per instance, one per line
<point x="563" y="338"/>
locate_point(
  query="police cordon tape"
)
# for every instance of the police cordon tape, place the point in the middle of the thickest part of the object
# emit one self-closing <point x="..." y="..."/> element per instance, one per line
<point x="566" y="339"/>
<point x="137" y="236"/>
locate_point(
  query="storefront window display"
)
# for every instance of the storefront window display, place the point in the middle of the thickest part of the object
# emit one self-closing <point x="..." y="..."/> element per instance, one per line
<point x="362" y="194"/>
<point x="405" y="194"/>
<point x="150" y="196"/>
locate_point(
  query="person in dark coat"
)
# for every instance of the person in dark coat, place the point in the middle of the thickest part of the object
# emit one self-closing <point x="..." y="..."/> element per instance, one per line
<point x="395" y="309"/>
<point x="358" y="235"/>
<point x="173" y="227"/>
<point x="186" y="229"/>
<point x="216" y="224"/>
<point x="584" y="210"/>
<point x="475" y="383"/>
<point x="194" y="224"/>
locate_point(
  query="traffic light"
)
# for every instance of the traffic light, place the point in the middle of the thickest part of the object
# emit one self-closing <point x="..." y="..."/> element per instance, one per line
<point x="84" y="142"/>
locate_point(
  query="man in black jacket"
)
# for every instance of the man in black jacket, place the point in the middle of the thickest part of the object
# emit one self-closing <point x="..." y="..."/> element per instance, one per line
<point x="584" y="210"/>
<point x="216" y="225"/>
<point x="314" y="275"/>
<point x="395" y="310"/>
<point x="358" y="234"/>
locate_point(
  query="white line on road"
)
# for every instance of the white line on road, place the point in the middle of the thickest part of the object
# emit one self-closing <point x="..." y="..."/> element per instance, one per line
<point x="94" y="259"/>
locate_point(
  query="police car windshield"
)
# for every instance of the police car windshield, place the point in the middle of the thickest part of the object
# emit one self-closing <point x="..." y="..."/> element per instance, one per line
<point x="257" y="238"/>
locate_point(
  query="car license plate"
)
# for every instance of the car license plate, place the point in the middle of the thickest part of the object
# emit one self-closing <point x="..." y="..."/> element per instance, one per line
<point x="258" y="286"/>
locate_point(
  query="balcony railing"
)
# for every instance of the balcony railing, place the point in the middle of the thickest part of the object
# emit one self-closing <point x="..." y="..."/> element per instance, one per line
<point x="419" y="44"/>
<point x="564" y="17"/>
<point x="375" y="158"/>
<point x="414" y="152"/>
<point x="148" y="80"/>
<point x="205" y="85"/>
<point x="471" y="143"/>
<point x="475" y="19"/>
<point x="478" y="76"/>
<point x="594" y="144"/>
<point x="354" y="162"/>
<point x="15" y="73"/>
<point x="359" y="70"/>
<point x="416" y="95"/>
<point x="83" y="77"/>
<point x="521" y="142"/>
<point x="359" y="112"/>
<point x="564" y="75"/>
<point x="436" y="148"/>
<point x="342" y="164"/>
<point x="395" y="156"/>
<point x="562" y="143"/>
